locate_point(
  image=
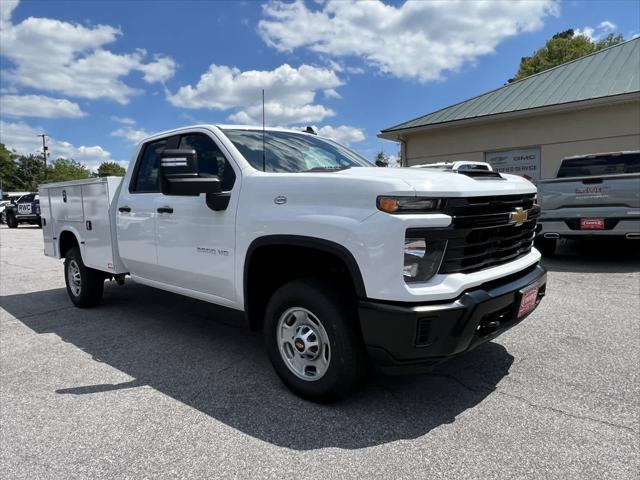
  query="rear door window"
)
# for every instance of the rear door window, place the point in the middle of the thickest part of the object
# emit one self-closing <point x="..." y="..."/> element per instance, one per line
<point x="598" y="165"/>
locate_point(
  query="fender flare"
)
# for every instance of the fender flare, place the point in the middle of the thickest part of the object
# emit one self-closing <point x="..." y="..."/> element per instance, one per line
<point x="309" y="242"/>
<point x="75" y="233"/>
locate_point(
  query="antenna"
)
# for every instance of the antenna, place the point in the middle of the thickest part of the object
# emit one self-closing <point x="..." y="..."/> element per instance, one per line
<point x="264" y="154"/>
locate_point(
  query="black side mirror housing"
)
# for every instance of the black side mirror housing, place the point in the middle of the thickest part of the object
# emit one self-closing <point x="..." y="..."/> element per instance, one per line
<point x="179" y="174"/>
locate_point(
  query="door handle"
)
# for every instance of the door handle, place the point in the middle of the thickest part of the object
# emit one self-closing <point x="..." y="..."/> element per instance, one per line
<point x="124" y="209"/>
<point x="164" y="210"/>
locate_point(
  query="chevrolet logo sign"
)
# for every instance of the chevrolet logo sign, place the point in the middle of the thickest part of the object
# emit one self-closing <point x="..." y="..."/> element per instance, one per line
<point x="518" y="217"/>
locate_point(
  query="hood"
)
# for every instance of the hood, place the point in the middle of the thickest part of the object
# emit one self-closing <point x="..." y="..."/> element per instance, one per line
<point x="441" y="183"/>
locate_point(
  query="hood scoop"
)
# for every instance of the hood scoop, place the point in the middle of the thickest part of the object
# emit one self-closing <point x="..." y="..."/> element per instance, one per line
<point x="479" y="174"/>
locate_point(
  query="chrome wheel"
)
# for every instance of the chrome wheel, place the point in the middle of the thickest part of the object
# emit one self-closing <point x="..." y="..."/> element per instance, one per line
<point x="304" y="344"/>
<point x="73" y="275"/>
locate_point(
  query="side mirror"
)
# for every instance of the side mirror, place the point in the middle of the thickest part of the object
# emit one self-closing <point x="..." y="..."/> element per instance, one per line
<point x="179" y="174"/>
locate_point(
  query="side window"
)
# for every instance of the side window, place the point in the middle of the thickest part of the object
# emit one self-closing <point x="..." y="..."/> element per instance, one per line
<point x="211" y="160"/>
<point x="146" y="179"/>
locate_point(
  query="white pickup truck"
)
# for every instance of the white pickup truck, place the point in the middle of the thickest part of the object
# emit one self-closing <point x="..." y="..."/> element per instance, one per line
<point x="340" y="263"/>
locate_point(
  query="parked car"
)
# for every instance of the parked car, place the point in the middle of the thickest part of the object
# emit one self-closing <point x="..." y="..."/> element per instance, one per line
<point x="25" y="209"/>
<point x="3" y="205"/>
<point x="340" y="263"/>
<point x="592" y="196"/>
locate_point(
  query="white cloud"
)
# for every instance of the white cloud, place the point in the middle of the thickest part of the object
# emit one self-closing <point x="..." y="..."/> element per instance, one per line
<point x="39" y="106"/>
<point x="594" y="34"/>
<point x="331" y="93"/>
<point x="418" y="39"/>
<point x="160" y="70"/>
<point x="24" y="139"/>
<point x="6" y="9"/>
<point x="123" y="120"/>
<point x="342" y="134"/>
<point x="132" y="135"/>
<point x="71" y="59"/>
<point x="289" y="93"/>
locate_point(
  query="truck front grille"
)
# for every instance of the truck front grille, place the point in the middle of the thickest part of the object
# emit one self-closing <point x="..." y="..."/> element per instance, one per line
<point x="484" y="235"/>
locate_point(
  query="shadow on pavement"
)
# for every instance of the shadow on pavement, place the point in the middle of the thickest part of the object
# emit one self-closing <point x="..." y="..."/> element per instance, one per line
<point x="198" y="354"/>
<point x="595" y="255"/>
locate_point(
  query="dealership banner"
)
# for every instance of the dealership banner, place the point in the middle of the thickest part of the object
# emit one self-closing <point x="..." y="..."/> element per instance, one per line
<point x="524" y="162"/>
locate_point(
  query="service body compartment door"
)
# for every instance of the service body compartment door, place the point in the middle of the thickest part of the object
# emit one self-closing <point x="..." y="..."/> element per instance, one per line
<point x="47" y="224"/>
<point x="66" y="203"/>
<point x="98" y="251"/>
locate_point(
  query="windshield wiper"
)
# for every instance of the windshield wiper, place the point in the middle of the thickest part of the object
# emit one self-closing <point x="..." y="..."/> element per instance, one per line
<point x="328" y="169"/>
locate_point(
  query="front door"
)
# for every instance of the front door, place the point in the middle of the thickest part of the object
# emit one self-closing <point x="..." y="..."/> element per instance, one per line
<point x="195" y="244"/>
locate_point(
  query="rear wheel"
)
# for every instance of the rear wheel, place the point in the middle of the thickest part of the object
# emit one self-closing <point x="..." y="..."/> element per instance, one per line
<point x="313" y="340"/>
<point x="84" y="285"/>
<point x="12" y="221"/>
<point x="547" y="246"/>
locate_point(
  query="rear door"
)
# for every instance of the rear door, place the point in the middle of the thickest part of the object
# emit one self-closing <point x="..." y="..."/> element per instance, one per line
<point x="196" y="245"/>
<point x="136" y="211"/>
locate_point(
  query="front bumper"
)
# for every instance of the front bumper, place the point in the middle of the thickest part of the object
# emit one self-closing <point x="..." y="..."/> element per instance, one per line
<point x="29" y="217"/>
<point x="411" y="338"/>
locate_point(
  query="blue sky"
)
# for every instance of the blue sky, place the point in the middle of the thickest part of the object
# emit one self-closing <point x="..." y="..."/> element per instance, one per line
<point x="99" y="75"/>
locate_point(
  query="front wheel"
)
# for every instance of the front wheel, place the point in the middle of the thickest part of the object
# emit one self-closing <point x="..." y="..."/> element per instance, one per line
<point x="313" y="340"/>
<point x="84" y="285"/>
<point x="12" y="221"/>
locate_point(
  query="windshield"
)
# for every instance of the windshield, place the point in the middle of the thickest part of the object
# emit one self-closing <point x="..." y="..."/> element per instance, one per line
<point x="600" y="165"/>
<point x="293" y="152"/>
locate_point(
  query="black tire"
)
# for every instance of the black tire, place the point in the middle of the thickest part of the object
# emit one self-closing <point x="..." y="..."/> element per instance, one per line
<point x="91" y="282"/>
<point x="12" y="221"/>
<point x="348" y="363"/>
<point x="547" y="246"/>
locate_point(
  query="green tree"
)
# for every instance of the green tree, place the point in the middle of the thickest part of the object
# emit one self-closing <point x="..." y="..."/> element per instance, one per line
<point x="110" y="169"/>
<point x="64" y="169"/>
<point x="562" y="48"/>
<point x="30" y="172"/>
<point x="8" y="169"/>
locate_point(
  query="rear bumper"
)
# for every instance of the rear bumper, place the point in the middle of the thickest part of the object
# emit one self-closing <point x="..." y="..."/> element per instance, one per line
<point x="569" y="228"/>
<point x="410" y="338"/>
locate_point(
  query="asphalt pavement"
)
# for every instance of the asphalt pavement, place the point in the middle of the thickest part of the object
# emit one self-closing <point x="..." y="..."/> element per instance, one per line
<point x="154" y="385"/>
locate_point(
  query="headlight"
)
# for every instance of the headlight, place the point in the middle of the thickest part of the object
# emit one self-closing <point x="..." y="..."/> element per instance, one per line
<point x="422" y="258"/>
<point x="408" y="204"/>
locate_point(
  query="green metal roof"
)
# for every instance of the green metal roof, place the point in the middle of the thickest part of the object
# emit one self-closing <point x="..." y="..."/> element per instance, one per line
<point x="612" y="71"/>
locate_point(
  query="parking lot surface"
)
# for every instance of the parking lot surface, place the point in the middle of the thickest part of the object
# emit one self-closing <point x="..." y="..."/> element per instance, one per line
<point x="154" y="385"/>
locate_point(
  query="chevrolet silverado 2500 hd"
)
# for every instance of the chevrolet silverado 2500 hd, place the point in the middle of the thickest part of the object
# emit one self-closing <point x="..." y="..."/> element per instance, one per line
<point x="593" y="196"/>
<point x="339" y="263"/>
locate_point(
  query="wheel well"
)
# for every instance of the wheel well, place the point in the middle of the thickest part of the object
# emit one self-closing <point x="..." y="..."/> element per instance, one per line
<point x="67" y="241"/>
<point x="270" y="266"/>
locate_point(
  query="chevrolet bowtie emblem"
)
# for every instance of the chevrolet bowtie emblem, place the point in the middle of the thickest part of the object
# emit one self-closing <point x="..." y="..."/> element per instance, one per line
<point x="519" y="216"/>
